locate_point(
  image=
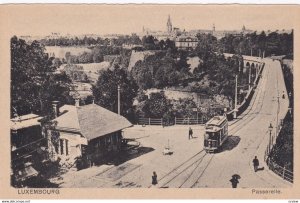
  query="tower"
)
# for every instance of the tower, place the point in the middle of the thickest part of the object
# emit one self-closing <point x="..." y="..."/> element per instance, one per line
<point x="244" y="28"/>
<point x="169" y="25"/>
<point x="214" y="28"/>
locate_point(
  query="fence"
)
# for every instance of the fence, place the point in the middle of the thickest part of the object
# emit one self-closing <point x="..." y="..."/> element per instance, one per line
<point x="281" y="171"/>
<point x="190" y="121"/>
<point x="150" y="121"/>
<point x="277" y="169"/>
<point x="175" y="121"/>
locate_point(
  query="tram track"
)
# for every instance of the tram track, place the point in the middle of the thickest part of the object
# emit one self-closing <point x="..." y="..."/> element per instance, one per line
<point x="197" y="181"/>
<point x="198" y="166"/>
<point x="182" y="175"/>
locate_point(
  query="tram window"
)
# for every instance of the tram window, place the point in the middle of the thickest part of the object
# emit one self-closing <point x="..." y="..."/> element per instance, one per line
<point x="207" y="136"/>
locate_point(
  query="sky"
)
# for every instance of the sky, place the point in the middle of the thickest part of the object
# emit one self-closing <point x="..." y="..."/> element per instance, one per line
<point x="126" y="19"/>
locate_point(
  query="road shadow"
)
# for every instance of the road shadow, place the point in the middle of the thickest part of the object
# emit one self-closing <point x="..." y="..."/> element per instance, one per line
<point x="128" y="155"/>
<point x="260" y="169"/>
<point x="231" y="142"/>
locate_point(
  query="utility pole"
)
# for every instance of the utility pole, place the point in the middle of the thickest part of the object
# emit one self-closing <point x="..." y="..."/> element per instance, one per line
<point x="119" y="108"/>
<point x="235" y="98"/>
<point x="249" y="77"/>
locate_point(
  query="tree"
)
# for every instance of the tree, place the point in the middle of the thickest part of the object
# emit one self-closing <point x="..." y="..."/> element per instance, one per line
<point x="57" y="62"/>
<point x="206" y="43"/>
<point x="106" y="90"/>
<point x="149" y="42"/>
<point x="157" y="106"/>
<point x="34" y="83"/>
<point x="184" y="107"/>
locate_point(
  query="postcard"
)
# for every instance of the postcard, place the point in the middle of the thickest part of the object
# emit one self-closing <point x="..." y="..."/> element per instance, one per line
<point x="192" y="101"/>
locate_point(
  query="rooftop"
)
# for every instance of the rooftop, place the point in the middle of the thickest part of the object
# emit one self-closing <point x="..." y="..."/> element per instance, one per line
<point x="216" y="120"/>
<point x="25" y="121"/>
<point x="91" y="120"/>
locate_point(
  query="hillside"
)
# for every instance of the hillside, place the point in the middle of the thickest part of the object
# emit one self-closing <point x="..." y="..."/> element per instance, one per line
<point x="60" y="52"/>
<point x="91" y="69"/>
<point x="137" y="56"/>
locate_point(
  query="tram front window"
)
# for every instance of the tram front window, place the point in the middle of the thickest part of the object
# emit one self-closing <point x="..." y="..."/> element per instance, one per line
<point x="211" y="135"/>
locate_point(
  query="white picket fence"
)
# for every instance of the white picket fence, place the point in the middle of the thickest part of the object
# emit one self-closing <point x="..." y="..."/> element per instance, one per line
<point x="175" y="121"/>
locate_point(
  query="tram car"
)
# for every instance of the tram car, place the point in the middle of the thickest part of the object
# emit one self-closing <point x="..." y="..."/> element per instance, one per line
<point x="216" y="133"/>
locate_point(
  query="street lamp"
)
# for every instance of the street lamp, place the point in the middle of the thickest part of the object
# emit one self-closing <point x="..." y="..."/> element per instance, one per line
<point x="290" y="110"/>
<point x="270" y="130"/>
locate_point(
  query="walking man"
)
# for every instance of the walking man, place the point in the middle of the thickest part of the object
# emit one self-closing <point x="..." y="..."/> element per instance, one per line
<point x="255" y="163"/>
<point x="190" y="133"/>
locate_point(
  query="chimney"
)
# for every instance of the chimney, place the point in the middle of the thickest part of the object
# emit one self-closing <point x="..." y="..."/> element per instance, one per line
<point x="55" y="108"/>
<point x="77" y="102"/>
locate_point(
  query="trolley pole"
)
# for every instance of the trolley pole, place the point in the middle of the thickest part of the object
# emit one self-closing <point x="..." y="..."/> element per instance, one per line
<point x="249" y="77"/>
<point x="119" y="105"/>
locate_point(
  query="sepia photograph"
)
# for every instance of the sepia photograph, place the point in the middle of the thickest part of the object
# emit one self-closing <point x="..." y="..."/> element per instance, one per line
<point x="151" y="97"/>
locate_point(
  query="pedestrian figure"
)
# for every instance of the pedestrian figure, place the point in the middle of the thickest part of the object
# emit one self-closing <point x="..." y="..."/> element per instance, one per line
<point x="154" y="178"/>
<point x="234" y="181"/>
<point x="255" y="163"/>
<point x="190" y="133"/>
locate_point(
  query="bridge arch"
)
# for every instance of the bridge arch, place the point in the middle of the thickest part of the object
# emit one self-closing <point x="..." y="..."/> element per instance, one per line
<point x="246" y="66"/>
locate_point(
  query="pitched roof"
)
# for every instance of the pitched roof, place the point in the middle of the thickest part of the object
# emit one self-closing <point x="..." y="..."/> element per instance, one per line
<point x="68" y="120"/>
<point x="91" y="120"/>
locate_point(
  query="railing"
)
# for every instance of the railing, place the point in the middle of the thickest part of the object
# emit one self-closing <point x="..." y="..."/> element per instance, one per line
<point x="281" y="171"/>
<point x="277" y="169"/>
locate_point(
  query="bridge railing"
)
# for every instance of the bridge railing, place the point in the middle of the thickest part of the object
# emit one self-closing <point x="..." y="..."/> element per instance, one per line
<point x="276" y="168"/>
<point x="280" y="171"/>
